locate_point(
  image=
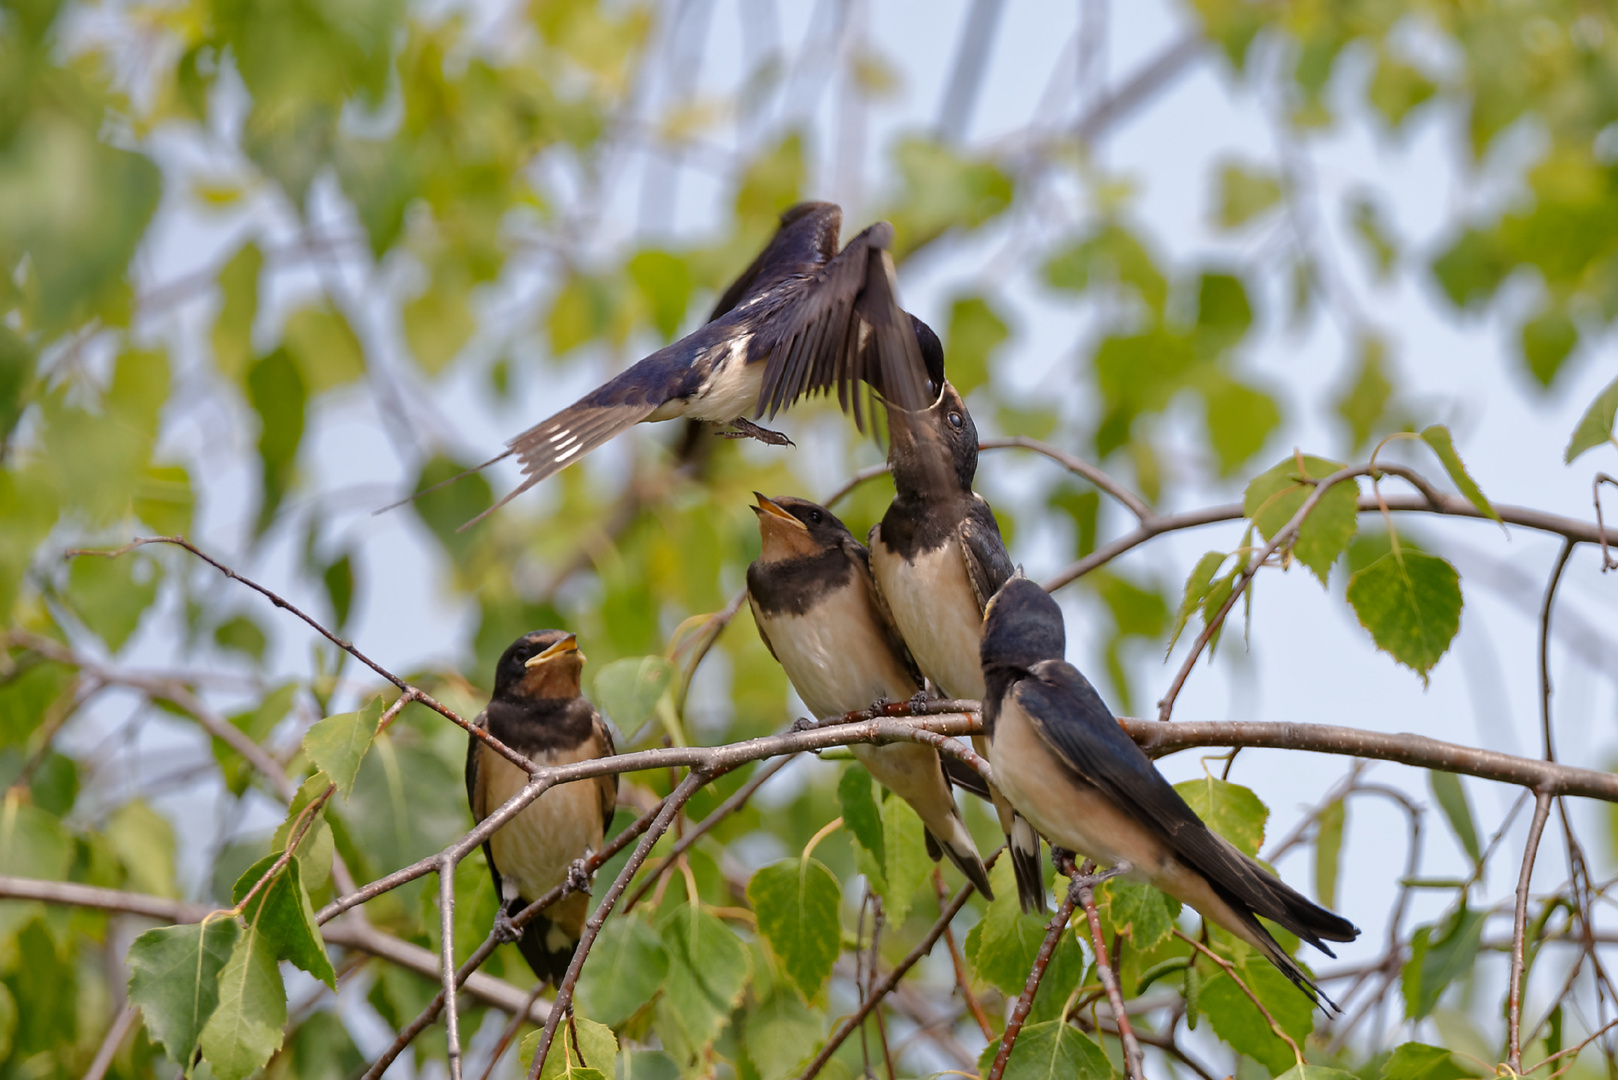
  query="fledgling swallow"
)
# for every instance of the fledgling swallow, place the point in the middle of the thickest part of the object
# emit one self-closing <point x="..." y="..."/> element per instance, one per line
<point x="538" y="711"/>
<point x="1065" y="764"/>
<point x="804" y="318"/>
<point x="937" y="558"/>
<point x="817" y="609"/>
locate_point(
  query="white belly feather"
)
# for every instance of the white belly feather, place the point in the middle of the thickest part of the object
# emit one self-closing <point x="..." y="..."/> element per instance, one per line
<point x="943" y="639"/>
<point x="836" y="657"/>
<point x="731" y="394"/>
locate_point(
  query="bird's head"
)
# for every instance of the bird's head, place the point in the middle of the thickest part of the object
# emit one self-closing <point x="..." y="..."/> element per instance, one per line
<point x="541" y="664"/>
<point x="795" y="528"/>
<point x="933" y="451"/>
<point x="1022" y="626"/>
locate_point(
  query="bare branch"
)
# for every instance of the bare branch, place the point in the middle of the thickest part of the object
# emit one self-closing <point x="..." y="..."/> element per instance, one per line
<point x="1542" y="810"/>
<point x="1036" y="975"/>
<point x="446" y="933"/>
<point x="1103" y="480"/>
<point x="1133" y="1065"/>
<point x="1545" y="649"/>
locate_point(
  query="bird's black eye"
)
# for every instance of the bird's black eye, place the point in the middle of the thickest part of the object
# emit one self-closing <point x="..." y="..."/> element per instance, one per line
<point x="955" y="420"/>
<point x="815" y="517"/>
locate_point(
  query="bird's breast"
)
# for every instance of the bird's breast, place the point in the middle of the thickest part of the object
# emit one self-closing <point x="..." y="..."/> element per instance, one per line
<point x="729" y="391"/>
<point x="836" y="654"/>
<point x="534" y="849"/>
<point x="936" y="612"/>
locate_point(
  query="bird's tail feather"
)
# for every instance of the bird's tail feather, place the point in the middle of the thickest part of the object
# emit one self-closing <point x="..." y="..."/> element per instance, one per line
<point x="963" y="853"/>
<point x="545" y="945"/>
<point x="462" y="475"/>
<point x="1023" y="845"/>
<point x="1287" y="965"/>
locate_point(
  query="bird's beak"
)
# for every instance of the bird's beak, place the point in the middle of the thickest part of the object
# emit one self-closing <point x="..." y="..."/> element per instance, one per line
<point x="568" y="644"/>
<point x="767" y="505"/>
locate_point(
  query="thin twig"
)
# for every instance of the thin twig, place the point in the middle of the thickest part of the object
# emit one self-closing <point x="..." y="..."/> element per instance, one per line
<point x="1545" y="649"/>
<point x="1134" y="1066"/>
<point x="1607" y="561"/>
<point x="109" y="1045"/>
<point x="446" y="933"/>
<point x="1230" y="969"/>
<point x="963" y="984"/>
<point x="1042" y="959"/>
<point x="1542" y="810"/>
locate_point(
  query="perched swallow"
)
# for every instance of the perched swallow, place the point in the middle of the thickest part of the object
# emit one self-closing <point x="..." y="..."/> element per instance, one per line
<point x="937" y="558"/>
<point x="804" y="318"/>
<point x="1065" y="764"/>
<point x="537" y="710"/>
<point x="817" y="609"/>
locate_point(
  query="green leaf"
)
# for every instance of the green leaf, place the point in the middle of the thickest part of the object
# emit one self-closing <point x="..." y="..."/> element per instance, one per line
<point x="1451" y="798"/>
<point x="439" y="322"/>
<point x="232" y="336"/>
<point x="1239" y="1023"/>
<point x="1230" y="810"/>
<point x="282" y="915"/>
<point x="1471" y="269"/>
<point x="628" y="690"/>
<point x="625" y="968"/>
<point x="1363" y="402"/>
<point x="16" y="377"/>
<point x="314" y="852"/>
<point x="338" y="743"/>
<point x="111" y="594"/>
<point x="174" y="978"/>
<point x="339" y="581"/>
<point x="1002" y="946"/>
<point x="592" y="1057"/>
<point x="1595" y="426"/>
<point x="324" y="348"/>
<point x="708" y="970"/>
<point x="1440" y="955"/>
<point x="1396" y="88"/>
<point x="1437" y="436"/>
<point x="1374" y="233"/>
<point x="1137" y="911"/>
<point x="1240" y="420"/>
<point x="1224" y="314"/>
<point x="1316" y="1072"/>
<point x="1052" y="1050"/>
<point x="796" y="901"/>
<point x="164" y="499"/>
<point x="976" y="330"/>
<point x="781" y="1035"/>
<point x="1111" y="254"/>
<point x="1418" y="1061"/>
<point x="664" y="280"/>
<point x="1548" y="339"/>
<point x="1411" y="604"/>
<point x="243" y="635"/>
<point x="144" y="842"/>
<point x="1273" y="497"/>
<point x="322" y="1049"/>
<point x="1243" y="192"/>
<point x="278" y="394"/>
<point x="863" y="819"/>
<point x="943" y="190"/>
<point x="907" y="867"/>
<point x="8" y="1022"/>
<point x="245" y="1028"/>
<point x="1197" y="584"/>
<point x="1329" y="851"/>
<point x="33" y="843"/>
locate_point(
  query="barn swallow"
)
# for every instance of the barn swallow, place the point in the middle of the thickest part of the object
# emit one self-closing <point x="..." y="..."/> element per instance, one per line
<point x="537" y="710"/>
<point x="1065" y="764"/>
<point x="804" y="318"/>
<point x="937" y="558"/>
<point x="817" y="609"/>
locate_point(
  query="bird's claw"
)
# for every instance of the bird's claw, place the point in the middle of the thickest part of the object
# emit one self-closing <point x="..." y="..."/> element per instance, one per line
<point x="918" y="701"/>
<point x="504" y="931"/>
<point x="1066" y="863"/>
<point x="746" y="429"/>
<point x="578" y="876"/>
<point x="804" y="723"/>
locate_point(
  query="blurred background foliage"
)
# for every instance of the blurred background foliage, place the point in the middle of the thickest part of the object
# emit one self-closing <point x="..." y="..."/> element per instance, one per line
<point x="266" y="265"/>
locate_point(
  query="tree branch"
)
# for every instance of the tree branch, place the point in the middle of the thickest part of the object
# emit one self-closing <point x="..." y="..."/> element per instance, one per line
<point x="1542" y="810"/>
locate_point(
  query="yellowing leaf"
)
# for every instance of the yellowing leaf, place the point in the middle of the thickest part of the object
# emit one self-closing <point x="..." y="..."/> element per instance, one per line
<point x="324" y="348"/>
<point x="796" y="901"/>
<point x="1329" y="852"/>
<point x="232" y="336"/>
<point x="1230" y="810"/>
<point x="439" y="321"/>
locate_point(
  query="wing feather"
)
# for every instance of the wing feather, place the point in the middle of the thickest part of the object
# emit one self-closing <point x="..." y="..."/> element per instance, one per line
<point x="988" y="566"/>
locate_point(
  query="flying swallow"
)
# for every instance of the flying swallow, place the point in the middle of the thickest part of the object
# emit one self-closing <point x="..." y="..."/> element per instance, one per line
<point x="804" y="318"/>
<point x="1065" y="764"/>
<point x="818" y="611"/>
<point x="537" y="710"/>
<point x="937" y="558"/>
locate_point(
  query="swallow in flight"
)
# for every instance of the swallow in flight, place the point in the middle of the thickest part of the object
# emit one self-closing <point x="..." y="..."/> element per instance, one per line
<point x="818" y="611"/>
<point x="538" y="711"/>
<point x="937" y="558"/>
<point x="1065" y="764"/>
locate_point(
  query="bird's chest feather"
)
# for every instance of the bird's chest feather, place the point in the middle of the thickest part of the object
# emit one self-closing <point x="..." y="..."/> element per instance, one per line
<point x="936" y="612"/>
<point x="532" y="851"/>
<point x="836" y="654"/>
<point x="730" y="391"/>
<point x="1062" y="805"/>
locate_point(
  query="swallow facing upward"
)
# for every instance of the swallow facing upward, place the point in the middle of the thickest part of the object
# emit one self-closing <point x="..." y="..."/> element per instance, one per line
<point x="1063" y="761"/>
<point x="937" y="558"/>
<point x="817" y="609"/>
<point x="537" y="710"/>
<point x="803" y="318"/>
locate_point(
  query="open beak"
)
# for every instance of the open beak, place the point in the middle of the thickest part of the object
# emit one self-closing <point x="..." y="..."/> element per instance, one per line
<point x="767" y="505"/>
<point x="568" y="644"/>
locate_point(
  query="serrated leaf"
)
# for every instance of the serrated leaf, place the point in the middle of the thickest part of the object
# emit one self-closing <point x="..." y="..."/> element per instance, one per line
<point x="1239" y="1023"/>
<point x="282" y="915"/>
<point x="1439" y="955"/>
<point x="1451" y="798"/>
<point x="1595" y="426"/>
<point x="592" y="1057"/>
<point x="1051" y="1050"/>
<point x="781" y="1035"/>
<point x="1005" y="941"/>
<point x="1275" y="496"/>
<point x="1411" y="604"/>
<point x="1197" y="585"/>
<point x="626" y="967"/>
<point x="338" y="743"/>
<point x="1438" y="437"/>
<point x="1418" y="1061"/>
<point x="245" y="1028"/>
<point x="628" y="690"/>
<point x="907" y="867"/>
<point x="796" y="901"/>
<point x="1137" y="911"/>
<point x="1230" y="810"/>
<point x="174" y="979"/>
<point x="863" y="819"/>
<point x="708" y="970"/>
<point x="1329" y="852"/>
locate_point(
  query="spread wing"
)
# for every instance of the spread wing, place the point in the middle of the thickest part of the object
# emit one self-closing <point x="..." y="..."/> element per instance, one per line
<point x="1085" y="734"/>
<point x="987" y="564"/>
<point x="807" y="238"/>
<point x="843" y="327"/>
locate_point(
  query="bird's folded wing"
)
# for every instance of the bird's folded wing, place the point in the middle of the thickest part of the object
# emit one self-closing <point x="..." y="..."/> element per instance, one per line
<point x="608" y="784"/>
<point x="861" y="558"/>
<point x="987" y="564"/>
